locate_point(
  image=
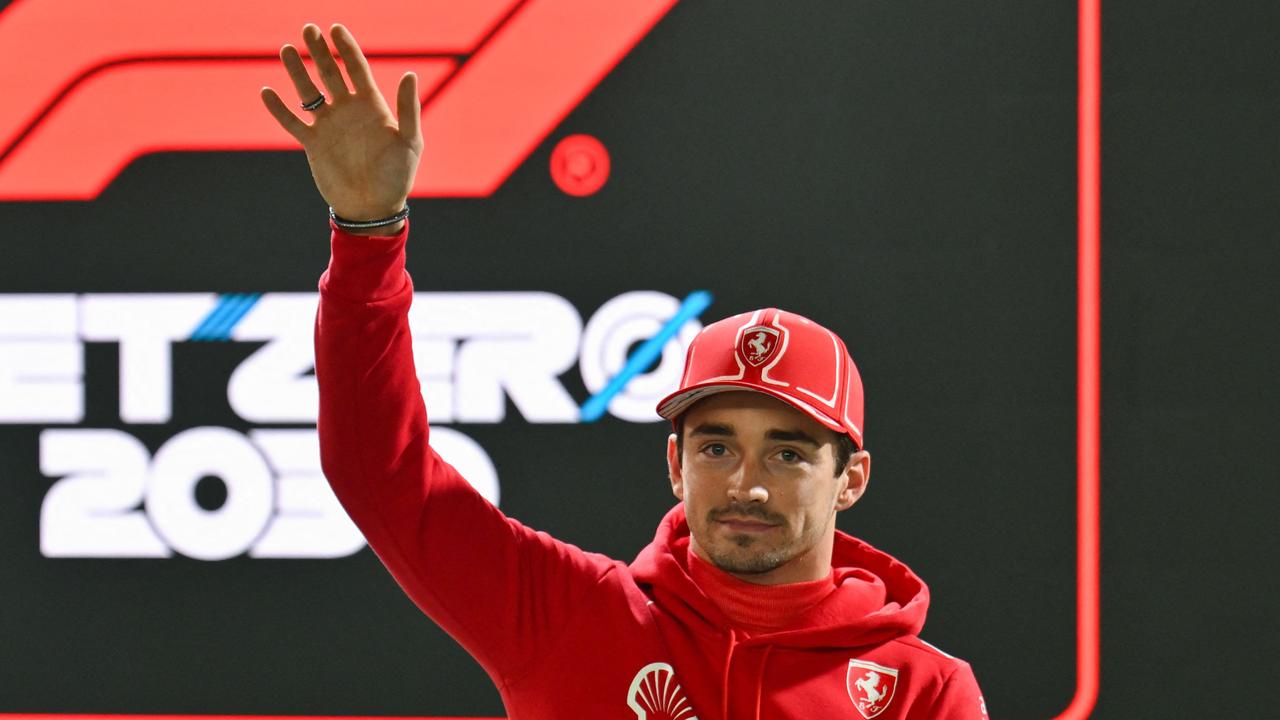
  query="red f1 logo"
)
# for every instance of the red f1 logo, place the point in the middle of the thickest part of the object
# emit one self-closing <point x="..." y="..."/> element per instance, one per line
<point x="86" y="94"/>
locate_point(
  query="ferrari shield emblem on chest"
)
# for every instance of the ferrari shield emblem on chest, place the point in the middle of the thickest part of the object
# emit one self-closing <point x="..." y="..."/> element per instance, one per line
<point x="870" y="687"/>
<point x="758" y="345"/>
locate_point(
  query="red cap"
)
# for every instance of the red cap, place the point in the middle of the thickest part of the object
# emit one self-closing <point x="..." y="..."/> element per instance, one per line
<point x="780" y="354"/>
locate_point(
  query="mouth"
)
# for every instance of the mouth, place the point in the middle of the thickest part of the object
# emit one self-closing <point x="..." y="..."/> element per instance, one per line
<point x="745" y="525"/>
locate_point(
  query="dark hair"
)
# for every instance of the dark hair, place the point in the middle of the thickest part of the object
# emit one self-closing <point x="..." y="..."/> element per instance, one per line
<point x="844" y="446"/>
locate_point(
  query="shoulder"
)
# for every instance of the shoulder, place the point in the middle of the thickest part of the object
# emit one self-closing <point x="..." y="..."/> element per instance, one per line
<point x="930" y="658"/>
<point x="952" y="685"/>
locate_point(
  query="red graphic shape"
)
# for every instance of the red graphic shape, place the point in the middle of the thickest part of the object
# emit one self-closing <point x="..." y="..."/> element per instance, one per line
<point x="543" y="62"/>
<point x="47" y="47"/>
<point x="580" y="165"/>
<point x="521" y="67"/>
<point x="1088" y="360"/>
<point x="211" y="117"/>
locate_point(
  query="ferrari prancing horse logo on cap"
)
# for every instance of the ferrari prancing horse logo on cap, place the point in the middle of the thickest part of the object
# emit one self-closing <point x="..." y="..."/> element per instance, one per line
<point x="758" y="345"/>
<point x="870" y="687"/>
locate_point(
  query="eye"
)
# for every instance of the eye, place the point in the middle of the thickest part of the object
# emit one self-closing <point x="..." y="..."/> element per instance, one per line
<point x="790" y="456"/>
<point x="715" y="449"/>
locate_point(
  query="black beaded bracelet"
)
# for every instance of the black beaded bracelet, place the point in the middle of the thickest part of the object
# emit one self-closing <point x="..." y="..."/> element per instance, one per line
<point x="346" y="224"/>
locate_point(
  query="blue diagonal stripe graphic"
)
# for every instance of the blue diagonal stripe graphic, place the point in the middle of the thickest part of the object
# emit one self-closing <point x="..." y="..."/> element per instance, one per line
<point x="222" y="330"/>
<point x="231" y="308"/>
<point x="226" y="303"/>
<point x="692" y="307"/>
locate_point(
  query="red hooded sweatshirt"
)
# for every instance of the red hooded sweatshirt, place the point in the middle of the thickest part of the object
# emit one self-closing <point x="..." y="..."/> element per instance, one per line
<point x="565" y="633"/>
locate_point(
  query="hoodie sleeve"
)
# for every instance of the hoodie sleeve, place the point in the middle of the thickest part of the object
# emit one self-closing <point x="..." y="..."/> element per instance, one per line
<point x="960" y="698"/>
<point x="500" y="589"/>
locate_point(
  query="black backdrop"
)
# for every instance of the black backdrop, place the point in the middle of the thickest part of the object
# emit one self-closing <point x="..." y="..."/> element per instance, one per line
<point x="904" y="174"/>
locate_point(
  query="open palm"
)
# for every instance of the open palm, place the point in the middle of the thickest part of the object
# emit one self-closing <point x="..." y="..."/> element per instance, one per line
<point x="362" y="158"/>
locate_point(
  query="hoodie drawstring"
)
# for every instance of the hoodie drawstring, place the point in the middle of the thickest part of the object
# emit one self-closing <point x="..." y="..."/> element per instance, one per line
<point x="724" y="691"/>
<point x="760" y="678"/>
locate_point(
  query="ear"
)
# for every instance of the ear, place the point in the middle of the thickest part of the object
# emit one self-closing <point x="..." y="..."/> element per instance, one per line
<point x="674" y="471"/>
<point x="855" y="477"/>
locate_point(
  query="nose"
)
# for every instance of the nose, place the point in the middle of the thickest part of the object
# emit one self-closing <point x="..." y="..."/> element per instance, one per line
<point x="747" y="485"/>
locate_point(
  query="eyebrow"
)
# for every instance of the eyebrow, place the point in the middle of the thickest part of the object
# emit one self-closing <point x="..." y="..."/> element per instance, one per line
<point x="712" y="430"/>
<point x="793" y="436"/>
<point x="720" y="430"/>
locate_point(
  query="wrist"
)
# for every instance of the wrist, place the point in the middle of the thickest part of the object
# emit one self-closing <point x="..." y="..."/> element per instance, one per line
<point x="387" y="225"/>
<point x="365" y="213"/>
<point x="380" y="231"/>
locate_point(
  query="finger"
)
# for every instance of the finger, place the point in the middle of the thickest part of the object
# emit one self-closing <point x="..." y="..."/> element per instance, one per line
<point x="408" y="107"/>
<point x="302" y="83"/>
<point x="290" y="122"/>
<point x="322" y="55"/>
<point x="353" y="59"/>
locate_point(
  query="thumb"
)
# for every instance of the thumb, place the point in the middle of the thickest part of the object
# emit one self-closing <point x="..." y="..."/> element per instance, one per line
<point x="409" y="107"/>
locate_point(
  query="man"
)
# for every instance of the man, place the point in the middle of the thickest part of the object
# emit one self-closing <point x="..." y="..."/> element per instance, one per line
<point x="747" y="604"/>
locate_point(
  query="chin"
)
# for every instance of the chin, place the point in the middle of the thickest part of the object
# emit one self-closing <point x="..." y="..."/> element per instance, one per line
<point x="742" y="562"/>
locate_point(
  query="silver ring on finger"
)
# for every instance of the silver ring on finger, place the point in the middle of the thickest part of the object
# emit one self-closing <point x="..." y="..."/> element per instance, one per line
<point x="314" y="104"/>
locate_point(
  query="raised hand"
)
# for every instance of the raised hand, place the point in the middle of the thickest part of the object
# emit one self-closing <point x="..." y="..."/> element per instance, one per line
<point x="362" y="159"/>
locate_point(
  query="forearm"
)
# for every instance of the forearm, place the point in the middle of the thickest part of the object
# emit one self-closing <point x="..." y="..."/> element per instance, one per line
<point x="370" y="406"/>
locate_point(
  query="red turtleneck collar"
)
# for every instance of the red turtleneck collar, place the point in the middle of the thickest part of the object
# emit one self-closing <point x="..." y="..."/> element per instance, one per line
<point x="759" y="608"/>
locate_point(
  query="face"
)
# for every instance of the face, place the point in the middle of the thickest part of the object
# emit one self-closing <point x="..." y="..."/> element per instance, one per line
<point x="760" y="487"/>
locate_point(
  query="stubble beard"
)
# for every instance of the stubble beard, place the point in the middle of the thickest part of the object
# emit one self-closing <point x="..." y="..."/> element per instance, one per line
<point x="747" y="564"/>
<point x="736" y="555"/>
<point x="740" y="559"/>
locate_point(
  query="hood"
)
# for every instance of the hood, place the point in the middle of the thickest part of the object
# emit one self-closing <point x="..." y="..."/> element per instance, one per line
<point x="843" y="619"/>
